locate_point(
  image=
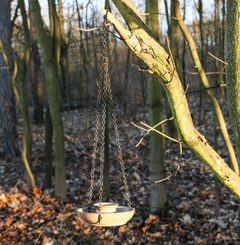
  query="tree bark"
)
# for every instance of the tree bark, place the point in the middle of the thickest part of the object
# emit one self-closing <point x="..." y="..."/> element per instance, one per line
<point x="48" y="149"/>
<point x="36" y="77"/>
<point x="27" y="132"/>
<point x="155" y="109"/>
<point x="174" y="34"/>
<point x="233" y="68"/>
<point x="7" y="102"/>
<point x="159" y="63"/>
<point x="202" y="58"/>
<point x="23" y="102"/>
<point x="53" y="94"/>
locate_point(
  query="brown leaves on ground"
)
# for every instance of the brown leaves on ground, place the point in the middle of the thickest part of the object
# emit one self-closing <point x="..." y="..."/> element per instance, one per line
<point x="35" y="217"/>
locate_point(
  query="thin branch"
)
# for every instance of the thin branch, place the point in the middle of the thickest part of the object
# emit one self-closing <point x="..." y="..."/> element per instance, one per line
<point x="207" y="73"/>
<point x="225" y="63"/>
<point x="161" y="133"/>
<point x="149" y="129"/>
<point x="88" y="30"/>
<point x="186" y="89"/>
<point x="114" y="35"/>
<point x="170" y="176"/>
<point x="204" y="89"/>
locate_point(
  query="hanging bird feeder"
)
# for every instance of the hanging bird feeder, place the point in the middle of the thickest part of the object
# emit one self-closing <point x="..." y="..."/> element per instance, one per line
<point x="105" y="213"/>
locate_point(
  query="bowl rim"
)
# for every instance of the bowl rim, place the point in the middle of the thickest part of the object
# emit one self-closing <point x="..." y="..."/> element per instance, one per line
<point x="105" y="204"/>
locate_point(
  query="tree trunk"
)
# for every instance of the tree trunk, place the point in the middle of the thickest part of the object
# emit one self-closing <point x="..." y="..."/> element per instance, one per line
<point x="36" y="77"/>
<point x="159" y="63"/>
<point x="63" y="59"/>
<point x="126" y="94"/>
<point x="184" y="51"/>
<point x="218" y="45"/>
<point x="27" y="132"/>
<point x="174" y="34"/>
<point x="48" y="149"/>
<point x="23" y="102"/>
<point x="53" y="95"/>
<point x="202" y="58"/>
<point x="233" y="68"/>
<point x="85" y="63"/>
<point x="155" y="109"/>
<point x="7" y="102"/>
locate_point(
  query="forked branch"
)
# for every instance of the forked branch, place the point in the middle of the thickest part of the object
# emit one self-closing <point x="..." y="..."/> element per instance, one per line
<point x="146" y="48"/>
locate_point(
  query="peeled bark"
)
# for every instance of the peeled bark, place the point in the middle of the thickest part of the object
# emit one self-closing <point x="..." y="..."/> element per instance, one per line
<point x="140" y="40"/>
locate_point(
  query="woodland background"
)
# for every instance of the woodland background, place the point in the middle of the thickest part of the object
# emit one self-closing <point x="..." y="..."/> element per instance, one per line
<point x="49" y="74"/>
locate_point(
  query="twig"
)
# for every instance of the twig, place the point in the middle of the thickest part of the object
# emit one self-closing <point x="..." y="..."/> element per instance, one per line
<point x="186" y="89"/>
<point x="89" y="29"/>
<point x="15" y="186"/>
<point x="150" y="129"/>
<point x="203" y="89"/>
<point x="176" y="171"/>
<point x="114" y="35"/>
<point x="161" y="133"/>
<point x="225" y="63"/>
<point x="140" y="69"/>
<point x="170" y="176"/>
<point x="72" y="144"/>
<point x="147" y="130"/>
<point x="207" y="73"/>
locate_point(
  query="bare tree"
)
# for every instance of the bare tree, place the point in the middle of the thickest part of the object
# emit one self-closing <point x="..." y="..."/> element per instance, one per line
<point x="7" y="102"/>
<point x="50" y="54"/>
<point x="160" y="63"/>
<point x="155" y="108"/>
<point x="233" y="68"/>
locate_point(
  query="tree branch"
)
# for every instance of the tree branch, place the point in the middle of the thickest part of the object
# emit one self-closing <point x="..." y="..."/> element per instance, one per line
<point x="146" y="48"/>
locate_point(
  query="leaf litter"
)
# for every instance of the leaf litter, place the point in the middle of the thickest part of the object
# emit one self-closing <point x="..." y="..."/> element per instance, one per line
<point x="36" y="217"/>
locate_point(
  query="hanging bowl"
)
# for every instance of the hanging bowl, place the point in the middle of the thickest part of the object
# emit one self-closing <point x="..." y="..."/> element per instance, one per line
<point x="106" y="214"/>
<point x="106" y="207"/>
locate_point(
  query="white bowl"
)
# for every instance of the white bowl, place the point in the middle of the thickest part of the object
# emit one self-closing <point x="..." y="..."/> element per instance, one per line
<point x="122" y="215"/>
<point x="106" y="207"/>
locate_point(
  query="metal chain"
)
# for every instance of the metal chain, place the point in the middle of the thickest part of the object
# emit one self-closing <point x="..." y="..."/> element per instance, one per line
<point x="95" y="143"/>
<point x="116" y="131"/>
<point x="104" y="81"/>
<point x="103" y="97"/>
<point x="119" y="148"/>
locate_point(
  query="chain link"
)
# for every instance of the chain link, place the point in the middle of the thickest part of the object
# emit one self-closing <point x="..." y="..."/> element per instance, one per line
<point x="104" y="96"/>
<point x="119" y="148"/>
<point x="95" y="143"/>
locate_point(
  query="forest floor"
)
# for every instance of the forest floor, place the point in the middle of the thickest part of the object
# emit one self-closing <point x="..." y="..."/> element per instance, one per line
<point x="192" y="218"/>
